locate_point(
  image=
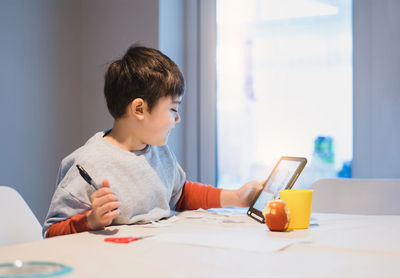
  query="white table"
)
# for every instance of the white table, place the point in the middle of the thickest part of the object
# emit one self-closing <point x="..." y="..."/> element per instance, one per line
<point x="337" y="245"/>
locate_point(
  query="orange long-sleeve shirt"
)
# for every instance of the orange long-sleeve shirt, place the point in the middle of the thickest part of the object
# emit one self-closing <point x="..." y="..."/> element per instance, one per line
<point x="194" y="195"/>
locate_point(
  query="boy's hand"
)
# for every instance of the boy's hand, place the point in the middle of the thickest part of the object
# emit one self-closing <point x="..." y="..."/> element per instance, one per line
<point x="105" y="206"/>
<point x="242" y="197"/>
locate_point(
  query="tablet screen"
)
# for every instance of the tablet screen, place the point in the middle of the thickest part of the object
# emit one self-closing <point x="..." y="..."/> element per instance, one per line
<point x="278" y="181"/>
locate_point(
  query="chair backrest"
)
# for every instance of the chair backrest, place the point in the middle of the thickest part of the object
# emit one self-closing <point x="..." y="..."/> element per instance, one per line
<point x="357" y="196"/>
<point x="18" y="223"/>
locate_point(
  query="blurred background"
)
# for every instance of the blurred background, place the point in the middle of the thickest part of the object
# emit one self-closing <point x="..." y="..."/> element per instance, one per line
<point x="312" y="78"/>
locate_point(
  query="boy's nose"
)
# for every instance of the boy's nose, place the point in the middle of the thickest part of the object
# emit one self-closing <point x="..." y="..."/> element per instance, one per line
<point x="177" y="118"/>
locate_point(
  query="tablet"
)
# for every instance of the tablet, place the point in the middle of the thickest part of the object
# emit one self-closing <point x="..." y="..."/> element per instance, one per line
<point x="283" y="176"/>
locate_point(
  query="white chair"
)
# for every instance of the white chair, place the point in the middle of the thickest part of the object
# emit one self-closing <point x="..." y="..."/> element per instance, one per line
<point x="357" y="196"/>
<point x="18" y="223"/>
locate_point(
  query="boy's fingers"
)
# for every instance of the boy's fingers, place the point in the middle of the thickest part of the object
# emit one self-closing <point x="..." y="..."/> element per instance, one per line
<point x="101" y="200"/>
<point x="106" y="183"/>
<point x="105" y="204"/>
<point x="109" y="216"/>
<point x="109" y="197"/>
<point x="103" y="210"/>
<point x="111" y="206"/>
<point x="102" y="192"/>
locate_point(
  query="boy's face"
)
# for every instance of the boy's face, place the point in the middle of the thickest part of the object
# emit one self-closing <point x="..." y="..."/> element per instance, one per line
<point x="162" y="119"/>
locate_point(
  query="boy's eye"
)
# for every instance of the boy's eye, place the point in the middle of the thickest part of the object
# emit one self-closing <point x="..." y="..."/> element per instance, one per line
<point x="174" y="110"/>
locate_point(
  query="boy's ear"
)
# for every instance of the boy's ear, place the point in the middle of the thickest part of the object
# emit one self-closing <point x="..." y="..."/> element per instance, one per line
<point x="137" y="108"/>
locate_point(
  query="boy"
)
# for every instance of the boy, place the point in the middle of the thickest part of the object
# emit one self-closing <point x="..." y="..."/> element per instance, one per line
<point x="141" y="179"/>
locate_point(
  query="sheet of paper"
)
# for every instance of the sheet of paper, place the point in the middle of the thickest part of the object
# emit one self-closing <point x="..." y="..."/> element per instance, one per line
<point x="215" y="215"/>
<point x="161" y="223"/>
<point x="228" y="240"/>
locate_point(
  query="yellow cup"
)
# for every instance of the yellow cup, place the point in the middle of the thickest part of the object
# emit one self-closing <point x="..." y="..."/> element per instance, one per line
<point x="299" y="203"/>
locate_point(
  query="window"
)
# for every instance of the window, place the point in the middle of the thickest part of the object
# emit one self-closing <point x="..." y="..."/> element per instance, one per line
<point x="284" y="87"/>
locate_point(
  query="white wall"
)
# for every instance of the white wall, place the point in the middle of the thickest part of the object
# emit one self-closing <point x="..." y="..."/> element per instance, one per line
<point x="109" y="27"/>
<point x="53" y="55"/>
<point x="40" y="86"/>
<point x="376" y="89"/>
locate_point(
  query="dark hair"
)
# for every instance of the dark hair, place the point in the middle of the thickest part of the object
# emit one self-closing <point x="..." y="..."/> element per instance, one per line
<point x="141" y="73"/>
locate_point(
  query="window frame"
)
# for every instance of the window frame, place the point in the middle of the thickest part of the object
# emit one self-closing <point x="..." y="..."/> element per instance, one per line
<point x="200" y="98"/>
